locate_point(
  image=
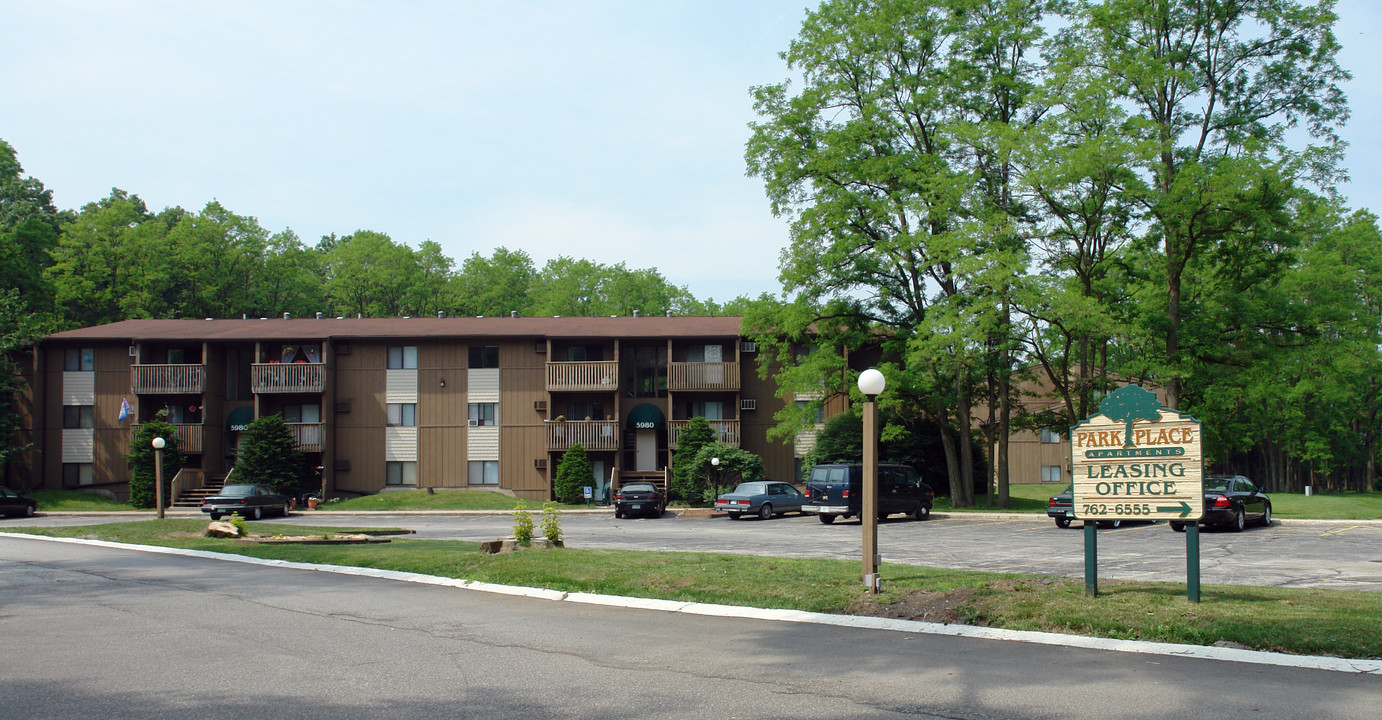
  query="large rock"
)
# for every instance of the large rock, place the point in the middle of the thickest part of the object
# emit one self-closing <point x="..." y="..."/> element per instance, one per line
<point x="222" y="530"/>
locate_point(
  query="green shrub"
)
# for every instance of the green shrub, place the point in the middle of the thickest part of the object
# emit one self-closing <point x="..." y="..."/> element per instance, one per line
<point x="240" y="525"/>
<point x="269" y="456"/>
<point x="573" y="474"/>
<point x="551" y="522"/>
<point x="141" y="458"/>
<point x="522" y="524"/>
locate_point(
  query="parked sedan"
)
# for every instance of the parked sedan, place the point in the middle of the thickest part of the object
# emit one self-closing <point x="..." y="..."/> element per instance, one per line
<point x="12" y="503"/>
<point x="763" y="499"/>
<point x="250" y="501"/>
<point x="638" y="498"/>
<point x="1232" y="501"/>
<point x="1062" y="508"/>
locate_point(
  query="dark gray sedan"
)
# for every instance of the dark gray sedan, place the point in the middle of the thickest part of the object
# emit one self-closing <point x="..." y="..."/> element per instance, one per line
<point x="250" y="501"/>
<point x="13" y="503"/>
<point x="764" y="499"/>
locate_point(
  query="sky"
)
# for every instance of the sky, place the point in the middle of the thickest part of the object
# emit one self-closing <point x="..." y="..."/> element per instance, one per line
<point x="610" y="130"/>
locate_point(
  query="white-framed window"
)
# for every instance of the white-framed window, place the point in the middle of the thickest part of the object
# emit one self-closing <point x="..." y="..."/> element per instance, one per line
<point x="78" y="416"/>
<point x="819" y="418"/>
<point x="1050" y="436"/>
<point x="482" y="472"/>
<point x="79" y="359"/>
<point x="306" y="413"/>
<point x="402" y="414"/>
<point x="484" y="356"/>
<point x="483" y="414"/>
<point x="400" y="472"/>
<point x="1051" y="474"/>
<point x="402" y="357"/>
<point x="76" y="475"/>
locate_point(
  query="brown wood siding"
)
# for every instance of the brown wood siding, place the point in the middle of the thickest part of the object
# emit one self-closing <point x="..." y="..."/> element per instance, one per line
<point x="359" y="435"/>
<point x="20" y="473"/>
<point x="112" y="436"/>
<point x="441" y="458"/>
<point x="518" y="447"/>
<point x="778" y="460"/>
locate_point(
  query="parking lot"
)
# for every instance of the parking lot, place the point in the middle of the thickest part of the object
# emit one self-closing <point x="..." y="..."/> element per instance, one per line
<point x="1344" y="555"/>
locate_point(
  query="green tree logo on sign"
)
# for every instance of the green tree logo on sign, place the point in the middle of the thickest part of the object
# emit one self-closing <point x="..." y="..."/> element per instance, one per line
<point x="1129" y="404"/>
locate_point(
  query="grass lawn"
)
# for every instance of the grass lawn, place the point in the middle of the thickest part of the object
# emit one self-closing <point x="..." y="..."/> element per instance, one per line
<point x="436" y="500"/>
<point x="1322" y="622"/>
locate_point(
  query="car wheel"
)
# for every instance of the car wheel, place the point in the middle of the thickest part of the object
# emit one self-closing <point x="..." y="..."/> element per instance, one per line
<point x="1239" y="520"/>
<point x="827" y="519"/>
<point x="765" y="512"/>
<point x="1062" y="522"/>
<point x="1267" y="516"/>
<point x="215" y="517"/>
<point x="1178" y="526"/>
<point x="922" y="512"/>
<point x="734" y="516"/>
<point x="618" y="513"/>
<point x="28" y="511"/>
<point x="257" y="513"/>
<point x="1111" y="524"/>
<point x="286" y="508"/>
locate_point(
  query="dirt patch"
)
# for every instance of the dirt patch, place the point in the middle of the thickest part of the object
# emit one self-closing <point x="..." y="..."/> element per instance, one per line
<point x="940" y="606"/>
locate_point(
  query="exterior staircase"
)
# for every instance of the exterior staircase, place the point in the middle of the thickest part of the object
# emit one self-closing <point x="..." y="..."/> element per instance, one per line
<point x="192" y="497"/>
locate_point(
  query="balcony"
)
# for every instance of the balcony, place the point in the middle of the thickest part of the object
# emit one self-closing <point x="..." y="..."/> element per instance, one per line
<point x="703" y="376"/>
<point x="726" y="431"/>
<point x="590" y="434"/>
<point x="587" y="376"/>
<point x="189" y="437"/>
<point x="288" y="377"/>
<point x="308" y="436"/>
<point x="167" y="379"/>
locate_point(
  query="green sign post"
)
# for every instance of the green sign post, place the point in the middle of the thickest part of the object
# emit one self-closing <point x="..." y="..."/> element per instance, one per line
<point x="1136" y="460"/>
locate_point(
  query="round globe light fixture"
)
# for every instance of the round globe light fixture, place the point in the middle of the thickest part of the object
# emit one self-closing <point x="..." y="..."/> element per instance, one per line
<point x="159" y="443"/>
<point x="715" y="461"/>
<point x="871" y="382"/>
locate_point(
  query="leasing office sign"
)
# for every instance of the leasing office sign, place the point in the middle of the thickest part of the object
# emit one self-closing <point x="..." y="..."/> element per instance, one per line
<point x="1136" y="460"/>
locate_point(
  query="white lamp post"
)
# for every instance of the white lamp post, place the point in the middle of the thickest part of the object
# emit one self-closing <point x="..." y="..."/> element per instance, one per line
<point x="158" y="474"/>
<point x="715" y="463"/>
<point x="871" y="383"/>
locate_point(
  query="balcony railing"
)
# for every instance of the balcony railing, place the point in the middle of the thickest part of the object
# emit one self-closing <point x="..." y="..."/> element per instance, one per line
<point x="189" y="437"/>
<point x="288" y="377"/>
<point x="167" y="379"/>
<point x="726" y="431"/>
<point x="308" y="436"/>
<point x="591" y="434"/>
<point x="703" y="376"/>
<point x="591" y="376"/>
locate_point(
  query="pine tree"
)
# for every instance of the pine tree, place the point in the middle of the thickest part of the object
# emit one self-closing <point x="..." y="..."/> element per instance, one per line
<point x="269" y="456"/>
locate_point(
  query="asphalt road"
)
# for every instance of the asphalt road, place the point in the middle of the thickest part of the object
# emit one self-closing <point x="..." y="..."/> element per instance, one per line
<point x="96" y="632"/>
<point x="1291" y="553"/>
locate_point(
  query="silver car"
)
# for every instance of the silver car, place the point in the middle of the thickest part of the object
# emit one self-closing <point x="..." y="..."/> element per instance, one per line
<point x="764" y="499"/>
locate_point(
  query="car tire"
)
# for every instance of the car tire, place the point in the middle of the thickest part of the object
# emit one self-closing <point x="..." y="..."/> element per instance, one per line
<point x="1062" y="522"/>
<point x="215" y="517"/>
<point x="286" y="508"/>
<point x="28" y="511"/>
<point x="1178" y="526"/>
<point x="618" y="513"/>
<point x="1267" y="516"/>
<point x="765" y="512"/>
<point x="1239" y="520"/>
<point x="827" y="519"/>
<point x="1110" y="524"/>
<point x="734" y="515"/>
<point x="922" y="512"/>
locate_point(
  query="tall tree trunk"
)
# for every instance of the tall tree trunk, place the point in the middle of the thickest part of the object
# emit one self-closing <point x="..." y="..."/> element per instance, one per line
<point x="1004" y="409"/>
<point x="963" y="419"/>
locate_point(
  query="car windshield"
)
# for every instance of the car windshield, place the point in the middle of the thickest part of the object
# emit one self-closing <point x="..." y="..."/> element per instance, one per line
<point x="748" y="489"/>
<point x="237" y="491"/>
<point x="1216" y="484"/>
<point x="639" y="487"/>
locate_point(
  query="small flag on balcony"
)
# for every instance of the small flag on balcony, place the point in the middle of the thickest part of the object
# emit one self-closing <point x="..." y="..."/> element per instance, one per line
<point x="125" y="410"/>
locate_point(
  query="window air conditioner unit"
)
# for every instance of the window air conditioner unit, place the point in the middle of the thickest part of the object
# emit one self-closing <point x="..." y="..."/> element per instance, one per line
<point x="748" y="404"/>
<point x="342" y="464"/>
<point x="343" y="407"/>
<point x="540" y="463"/>
<point x="540" y="347"/>
<point x="473" y="423"/>
<point x="748" y="346"/>
<point x="540" y="405"/>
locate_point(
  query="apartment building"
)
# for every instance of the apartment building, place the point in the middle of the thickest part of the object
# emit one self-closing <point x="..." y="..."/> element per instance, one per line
<point x="381" y="403"/>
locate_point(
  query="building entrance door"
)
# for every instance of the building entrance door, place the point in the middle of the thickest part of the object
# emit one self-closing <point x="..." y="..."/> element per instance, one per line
<point x="645" y="444"/>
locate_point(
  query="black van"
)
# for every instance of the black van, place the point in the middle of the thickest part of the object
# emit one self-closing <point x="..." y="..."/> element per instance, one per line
<point x="838" y="491"/>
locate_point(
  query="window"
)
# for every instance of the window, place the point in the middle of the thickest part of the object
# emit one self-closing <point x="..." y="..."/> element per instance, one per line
<point x="484" y="356"/>
<point x="76" y="359"/>
<point x="402" y="414"/>
<point x="400" y="472"/>
<point x="585" y="353"/>
<point x="1050" y="436"/>
<point x="78" y="416"/>
<point x="76" y="474"/>
<point x="483" y="413"/>
<point x="585" y="411"/>
<point x="402" y="357"/>
<point x="483" y="472"/>
<point x="710" y="409"/>
<point x="302" y="413"/>
<point x="1051" y="474"/>
<point x="819" y="418"/>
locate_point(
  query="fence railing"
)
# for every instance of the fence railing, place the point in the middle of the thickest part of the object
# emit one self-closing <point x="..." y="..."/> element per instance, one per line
<point x="726" y="431"/>
<point x="592" y="375"/>
<point x="308" y="436"/>
<point x="591" y="434"/>
<point x="288" y="377"/>
<point x="189" y="436"/>
<point x="167" y="379"/>
<point x="703" y="376"/>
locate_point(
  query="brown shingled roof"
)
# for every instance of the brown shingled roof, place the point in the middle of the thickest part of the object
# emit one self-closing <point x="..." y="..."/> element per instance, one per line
<point x="344" y="328"/>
